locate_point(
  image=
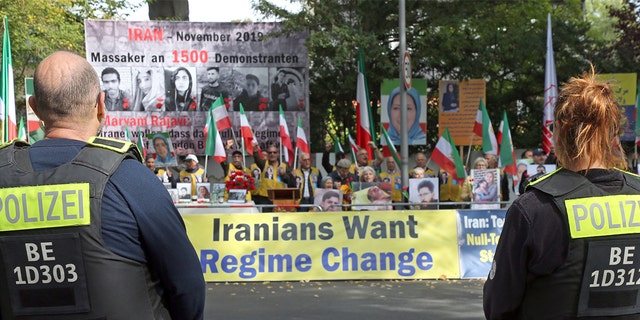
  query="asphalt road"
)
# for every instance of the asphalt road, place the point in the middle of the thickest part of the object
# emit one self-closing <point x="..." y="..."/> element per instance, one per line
<point x="341" y="300"/>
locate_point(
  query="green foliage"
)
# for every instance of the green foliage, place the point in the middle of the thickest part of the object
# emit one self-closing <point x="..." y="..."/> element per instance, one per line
<point x="501" y="41"/>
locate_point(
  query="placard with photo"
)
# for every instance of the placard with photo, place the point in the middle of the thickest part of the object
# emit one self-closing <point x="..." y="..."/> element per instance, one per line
<point x="184" y="191"/>
<point x="424" y="191"/>
<point x="237" y="196"/>
<point x="374" y="197"/>
<point x="328" y="199"/>
<point x="485" y="188"/>
<point x="540" y="168"/>
<point x="202" y="191"/>
<point x="217" y="195"/>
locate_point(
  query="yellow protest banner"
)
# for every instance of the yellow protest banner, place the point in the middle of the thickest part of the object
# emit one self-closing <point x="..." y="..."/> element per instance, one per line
<point x="326" y="245"/>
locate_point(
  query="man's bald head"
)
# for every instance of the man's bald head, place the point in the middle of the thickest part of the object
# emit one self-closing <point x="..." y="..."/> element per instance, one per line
<point x="65" y="87"/>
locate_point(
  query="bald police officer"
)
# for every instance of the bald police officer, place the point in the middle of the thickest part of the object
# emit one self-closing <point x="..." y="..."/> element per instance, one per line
<point x="79" y="237"/>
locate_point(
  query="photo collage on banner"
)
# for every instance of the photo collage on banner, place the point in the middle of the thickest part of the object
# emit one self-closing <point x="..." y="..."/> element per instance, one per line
<point x="163" y="77"/>
<point x="485" y="188"/>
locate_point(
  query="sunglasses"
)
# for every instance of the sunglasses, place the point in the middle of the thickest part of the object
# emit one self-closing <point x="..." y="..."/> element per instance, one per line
<point x="272" y="152"/>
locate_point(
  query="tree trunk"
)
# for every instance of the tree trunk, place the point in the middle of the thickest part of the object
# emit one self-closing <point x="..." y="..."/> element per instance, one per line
<point x="169" y="10"/>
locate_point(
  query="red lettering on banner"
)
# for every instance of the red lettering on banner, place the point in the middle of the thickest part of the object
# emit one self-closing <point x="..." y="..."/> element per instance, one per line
<point x="169" y="122"/>
<point x="145" y="34"/>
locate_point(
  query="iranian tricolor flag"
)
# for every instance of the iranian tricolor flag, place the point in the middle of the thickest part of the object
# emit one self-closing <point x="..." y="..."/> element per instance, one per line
<point x="390" y="148"/>
<point x="22" y="130"/>
<point x="247" y="134"/>
<point x="285" y="139"/>
<point x="507" y="153"/>
<point x="337" y="147"/>
<point x="213" y="143"/>
<point x="140" y="144"/>
<point x="448" y="158"/>
<point x="484" y="129"/>
<point x="364" y="123"/>
<point x="354" y="149"/>
<point x="127" y="134"/>
<point x="301" y="139"/>
<point x="7" y="95"/>
<point x="223" y="121"/>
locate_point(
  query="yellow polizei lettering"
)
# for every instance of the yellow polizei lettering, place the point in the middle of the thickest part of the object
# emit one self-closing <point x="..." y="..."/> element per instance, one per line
<point x="48" y="206"/>
<point x="603" y="216"/>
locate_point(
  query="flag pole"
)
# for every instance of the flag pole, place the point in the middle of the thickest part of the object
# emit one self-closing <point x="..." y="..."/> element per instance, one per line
<point x="206" y="162"/>
<point x="295" y="158"/>
<point x="469" y="154"/>
<point x="244" y="162"/>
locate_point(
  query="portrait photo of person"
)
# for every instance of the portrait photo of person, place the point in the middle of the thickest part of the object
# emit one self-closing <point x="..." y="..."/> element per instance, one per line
<point x="174" y="195"/>
<point x="450" y="97"/>
<point x="203" y="193"/>
<point x="391" y="114"/>
<point x="362" y="194"/>
<point x="212" y="89"/>
<point x="287" y="89"/>
<point x="115" y="97"/>
<point x="533" y="169"/>
<point x="328" y="199"/>
<point x="279" y="91"/>
<point x="252" y="97"/>
<point x="148" y="89"/>
<point x="162" y="150"/>
<point x="424" y="191"/>
<point x="181" y="90"/>
<point x="184" y="191"/>
<point x="485" y="188"/>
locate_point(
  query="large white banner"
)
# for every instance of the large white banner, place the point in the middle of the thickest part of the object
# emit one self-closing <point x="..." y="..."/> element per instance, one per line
<point x="162" y="76"/>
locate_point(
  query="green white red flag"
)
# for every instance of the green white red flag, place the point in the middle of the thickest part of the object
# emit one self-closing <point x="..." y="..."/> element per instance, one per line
<point x="484" y="129"/>
<point x="247" y="134"/>
<point x="390" y="148"/>
<point x="354" y="149"/>
<point x="364" y="124"/>
<point x="22" y="130"/>
<point x="213" y="146"/>
<point x="448" y="158"/>
<point x="127" y="134"/>
<point x="7" y="95"/>
<point x="223" y="121"/>
<point x="140" y="144"/>
<point x="301" y="139"/>
<point x="285" y="139"/>
<point x="507" y="153"/>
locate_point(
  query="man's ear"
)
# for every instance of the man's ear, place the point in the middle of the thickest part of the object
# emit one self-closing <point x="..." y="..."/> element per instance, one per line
<point x="100" y="106"/>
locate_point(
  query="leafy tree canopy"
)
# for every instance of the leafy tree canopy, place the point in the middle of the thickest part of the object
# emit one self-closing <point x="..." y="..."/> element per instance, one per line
<point x="501" y="41"/>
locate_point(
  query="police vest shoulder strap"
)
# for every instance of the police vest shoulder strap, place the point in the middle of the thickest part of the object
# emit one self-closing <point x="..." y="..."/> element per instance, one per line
<point x="116" y="145"/>
<point x="12" y="151"/>
<point x="632" y="179"/>
<point x="105" y="155"/>
<point x="559" y="182"/>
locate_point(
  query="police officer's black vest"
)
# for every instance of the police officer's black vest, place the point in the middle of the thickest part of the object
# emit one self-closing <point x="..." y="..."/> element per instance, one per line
<point x="66" y="272"/>
<point x="579" y="287"/>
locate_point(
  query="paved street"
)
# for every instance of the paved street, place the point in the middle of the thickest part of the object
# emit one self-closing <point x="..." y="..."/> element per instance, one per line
<point x="341" y="300"/>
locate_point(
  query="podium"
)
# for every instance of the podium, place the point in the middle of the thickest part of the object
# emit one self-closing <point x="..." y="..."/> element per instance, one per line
<point x="284" y="199"/>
